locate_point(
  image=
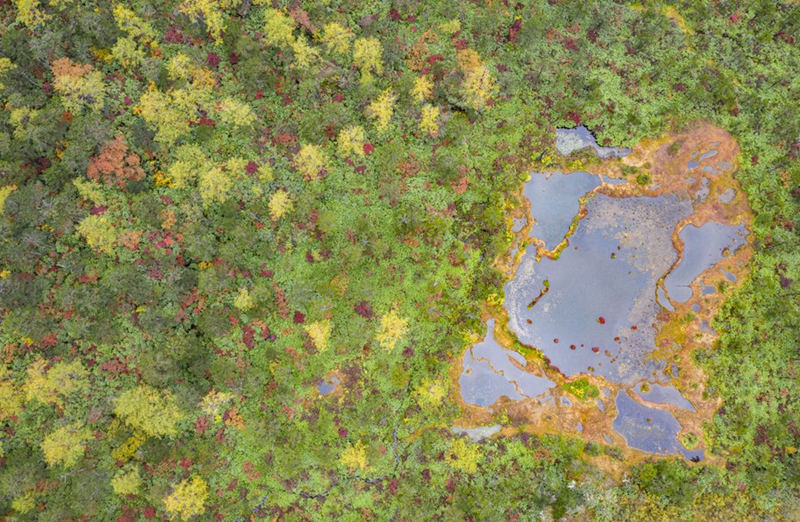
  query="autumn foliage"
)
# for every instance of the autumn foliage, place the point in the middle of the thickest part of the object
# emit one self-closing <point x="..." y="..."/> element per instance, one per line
<point x="115" y="165"/>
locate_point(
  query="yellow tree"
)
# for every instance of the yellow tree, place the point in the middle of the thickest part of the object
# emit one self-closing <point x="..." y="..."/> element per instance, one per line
<point x="336" y="38"/>
<point x="423" y="87"/>
<point x="188" y="498"/>
<point x="309" y="161"/>
<point x="51" y="386"/>
<point x="10" y="396"/>
<point x="131" y="23"/>
<point x="28" y="12"/>
<point x="304" y="55"/>
<point x="4" y="192"/>
<point x="234" y="112"/>
<point x="278" y="28"/>
<point x="479" y="84"/>
<point x="126" y="481"/>
<point x="66" y="445"/>
<point x="163" y="115"/>
<point x="154" y="412"/>
<point x="6" y="66"/>
<point x="189" y="160"/>
<point x="98" y="233"/>
<point x="79" y="85"/>
<point x="210" y="12"/>
<point x="213" y="185"/>
<point x="128" y="53"/>
<point x="428" y="123"/>
<point x="367" y="55"/>
<point x="382" y="109"/>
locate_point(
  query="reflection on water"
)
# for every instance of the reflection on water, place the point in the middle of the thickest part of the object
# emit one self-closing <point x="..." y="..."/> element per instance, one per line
<point x="703" y="247"/>
<point x="327" y="386"/>
<point x="554" y="203"/>
<point x="594" y="307"/>
<point x="489" y="373"/>
<point x="600" y="305"/>
<point x="663" y="395"/>
<point x="649" y="429"/>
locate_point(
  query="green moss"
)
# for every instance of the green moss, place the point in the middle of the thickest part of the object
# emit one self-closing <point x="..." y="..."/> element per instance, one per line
<point x="582" y="389"/>
<point x="689" y="441"/>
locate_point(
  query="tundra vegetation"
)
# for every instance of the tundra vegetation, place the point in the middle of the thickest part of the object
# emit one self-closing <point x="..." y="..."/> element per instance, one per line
<point x="208" y="207"/>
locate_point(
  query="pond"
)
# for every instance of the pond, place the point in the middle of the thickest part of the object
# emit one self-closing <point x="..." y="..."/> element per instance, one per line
<point x="608" y="265"/>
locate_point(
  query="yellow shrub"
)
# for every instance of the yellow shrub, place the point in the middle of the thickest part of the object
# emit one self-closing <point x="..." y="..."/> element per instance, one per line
<point x="468" y="456"/>
<point x="153" y="412"/>
<point x="451" y="26"/>
<point x="392" y="329"/>
<point x="214" y="401"/>
<point x="428" y="124"/>
<point x="65" y="446"/>
<point x="309" y="161"/>
<point x="188" y="499"/>
<point x="320" y="333"/>
<point x="351" y="140"/>
<point x="265" y="172"/>
<point x="354" y="457"/>
<point x="382" y="108"/>
<point x="279" y="204"/>
<point x="24" y="503"/>
<point x="423" y="87"/>
<point x="367" y="55"/>
<point x="430" y="393"/>
<point x="243" y="300"/>
<point x="4" y="192"/>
